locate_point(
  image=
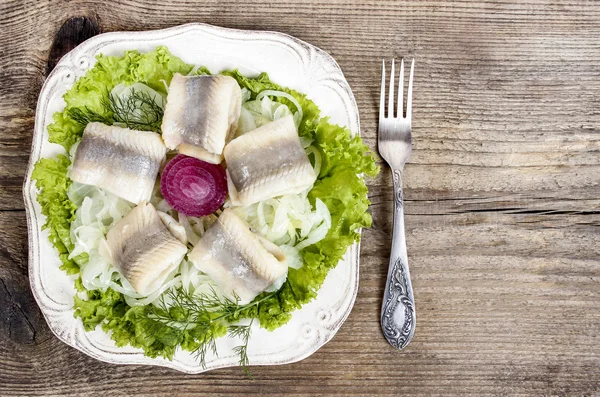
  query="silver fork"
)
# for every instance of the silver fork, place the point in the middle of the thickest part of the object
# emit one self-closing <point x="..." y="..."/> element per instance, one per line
<point x="398" y="310"/>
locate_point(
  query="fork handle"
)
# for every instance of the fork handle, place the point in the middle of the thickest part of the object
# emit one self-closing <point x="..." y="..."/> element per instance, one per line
<point x="398" y="310"/>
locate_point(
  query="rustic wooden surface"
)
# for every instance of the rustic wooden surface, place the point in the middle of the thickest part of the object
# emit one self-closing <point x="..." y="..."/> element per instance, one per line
<point x="503" y="197"/>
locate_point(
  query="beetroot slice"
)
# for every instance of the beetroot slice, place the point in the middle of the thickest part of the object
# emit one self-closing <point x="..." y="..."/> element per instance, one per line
<point x="192" y="186"/>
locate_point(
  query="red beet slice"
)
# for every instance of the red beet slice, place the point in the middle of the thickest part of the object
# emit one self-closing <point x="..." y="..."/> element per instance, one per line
<point x="192" y="186"/>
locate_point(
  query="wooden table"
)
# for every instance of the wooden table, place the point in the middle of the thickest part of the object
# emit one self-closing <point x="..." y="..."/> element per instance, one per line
<point x="502" y="197"/>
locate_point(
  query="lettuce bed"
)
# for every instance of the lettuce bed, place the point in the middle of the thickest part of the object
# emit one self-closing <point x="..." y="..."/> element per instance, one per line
<point x="338" y="186"/>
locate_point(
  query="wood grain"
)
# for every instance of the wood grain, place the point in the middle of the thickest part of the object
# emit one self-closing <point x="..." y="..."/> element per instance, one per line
<point x="503" y="198"/>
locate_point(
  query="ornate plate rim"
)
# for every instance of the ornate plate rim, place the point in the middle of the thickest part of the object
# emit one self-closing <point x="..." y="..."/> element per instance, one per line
<point x="92" y="45"/>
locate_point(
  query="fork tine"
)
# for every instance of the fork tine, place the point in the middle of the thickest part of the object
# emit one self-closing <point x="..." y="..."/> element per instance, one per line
<point x="409" y="95"/>
<point x="400" y="111"/>
<point x="391" y="94"/>
<point x="382" y="99"/>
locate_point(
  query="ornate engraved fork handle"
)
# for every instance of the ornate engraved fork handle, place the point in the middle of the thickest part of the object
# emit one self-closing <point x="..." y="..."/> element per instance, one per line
<point x="398" y="311"/>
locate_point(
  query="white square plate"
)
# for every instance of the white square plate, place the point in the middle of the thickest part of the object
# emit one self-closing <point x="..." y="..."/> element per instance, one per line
<point x="289" y="62"/>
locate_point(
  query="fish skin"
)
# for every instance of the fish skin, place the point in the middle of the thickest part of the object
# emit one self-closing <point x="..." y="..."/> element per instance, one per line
<point x="267" y="162"/>
<point x="143" y="249"/>
<point x="195" y="115"/>
<point x="119" y="160"/>
<point x="240" y="262"/>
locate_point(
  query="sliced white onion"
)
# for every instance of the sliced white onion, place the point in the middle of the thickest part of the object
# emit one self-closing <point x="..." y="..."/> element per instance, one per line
<point x="163" y="206"/>
<point x="97" y="272"/>
<point x="281" y="111"/>
<point x="197" y="225"/>
<point x="289" y="221"/>
<point x="246" y="122"/>
<point x="266" y="107"/>
<point x="126" y="289"/>
<point x="277" y="283"/>
<point x="246" y="95"/>
<point x="165" y="84"/>
<point x="194" y="70"/>
<point x="323" y="212"/>
<point x="306" y="141"/>
<point x="78" y="191"/>
<point x="192" y="236"/>
<point x="317" y="155"/>
<point x="192" y="279"/>
<point x="132" y="301"/>
<point x="294" y="260"/>
<point x="314" y="237"/>
<point x="86" y="209"/>
<point x="284" y="95"/>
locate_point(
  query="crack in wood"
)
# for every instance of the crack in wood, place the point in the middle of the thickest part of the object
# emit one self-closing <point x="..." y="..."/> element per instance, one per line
<point x="72" y="33"/>
<point x="522" y="211"/>
<point x="15" y="310"/>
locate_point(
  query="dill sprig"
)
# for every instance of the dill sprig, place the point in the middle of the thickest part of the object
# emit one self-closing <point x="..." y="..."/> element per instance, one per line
<point x="84" y="116"/>
<point x="184" y="311"/>
<point x="242" y="332"/>
<point x="138" y="111"/>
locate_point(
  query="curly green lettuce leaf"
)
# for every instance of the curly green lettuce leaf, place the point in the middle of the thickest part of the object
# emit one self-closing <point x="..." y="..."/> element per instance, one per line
<point x="50" y="177"/>
<point x="341" y="152"/>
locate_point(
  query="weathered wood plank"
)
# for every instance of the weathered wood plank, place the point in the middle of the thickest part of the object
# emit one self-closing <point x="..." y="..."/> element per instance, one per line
<point x="493" y="322"/>
<point x="502" y="192"/>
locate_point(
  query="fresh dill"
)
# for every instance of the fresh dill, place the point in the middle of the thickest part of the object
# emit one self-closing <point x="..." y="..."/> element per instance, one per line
<point x="184" y="311"/>
<point x="138" y="111"/>
<point x="242" y="332"/>
<point x="84" y="116"/>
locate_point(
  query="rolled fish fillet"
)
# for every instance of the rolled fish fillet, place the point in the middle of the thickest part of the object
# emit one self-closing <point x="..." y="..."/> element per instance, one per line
<point x="267" y="162"/>
<point x="122" y="161"/>
<point x="201" y="115"/>
<point x="239" y="261"/>
<point x="143" y="250"/>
